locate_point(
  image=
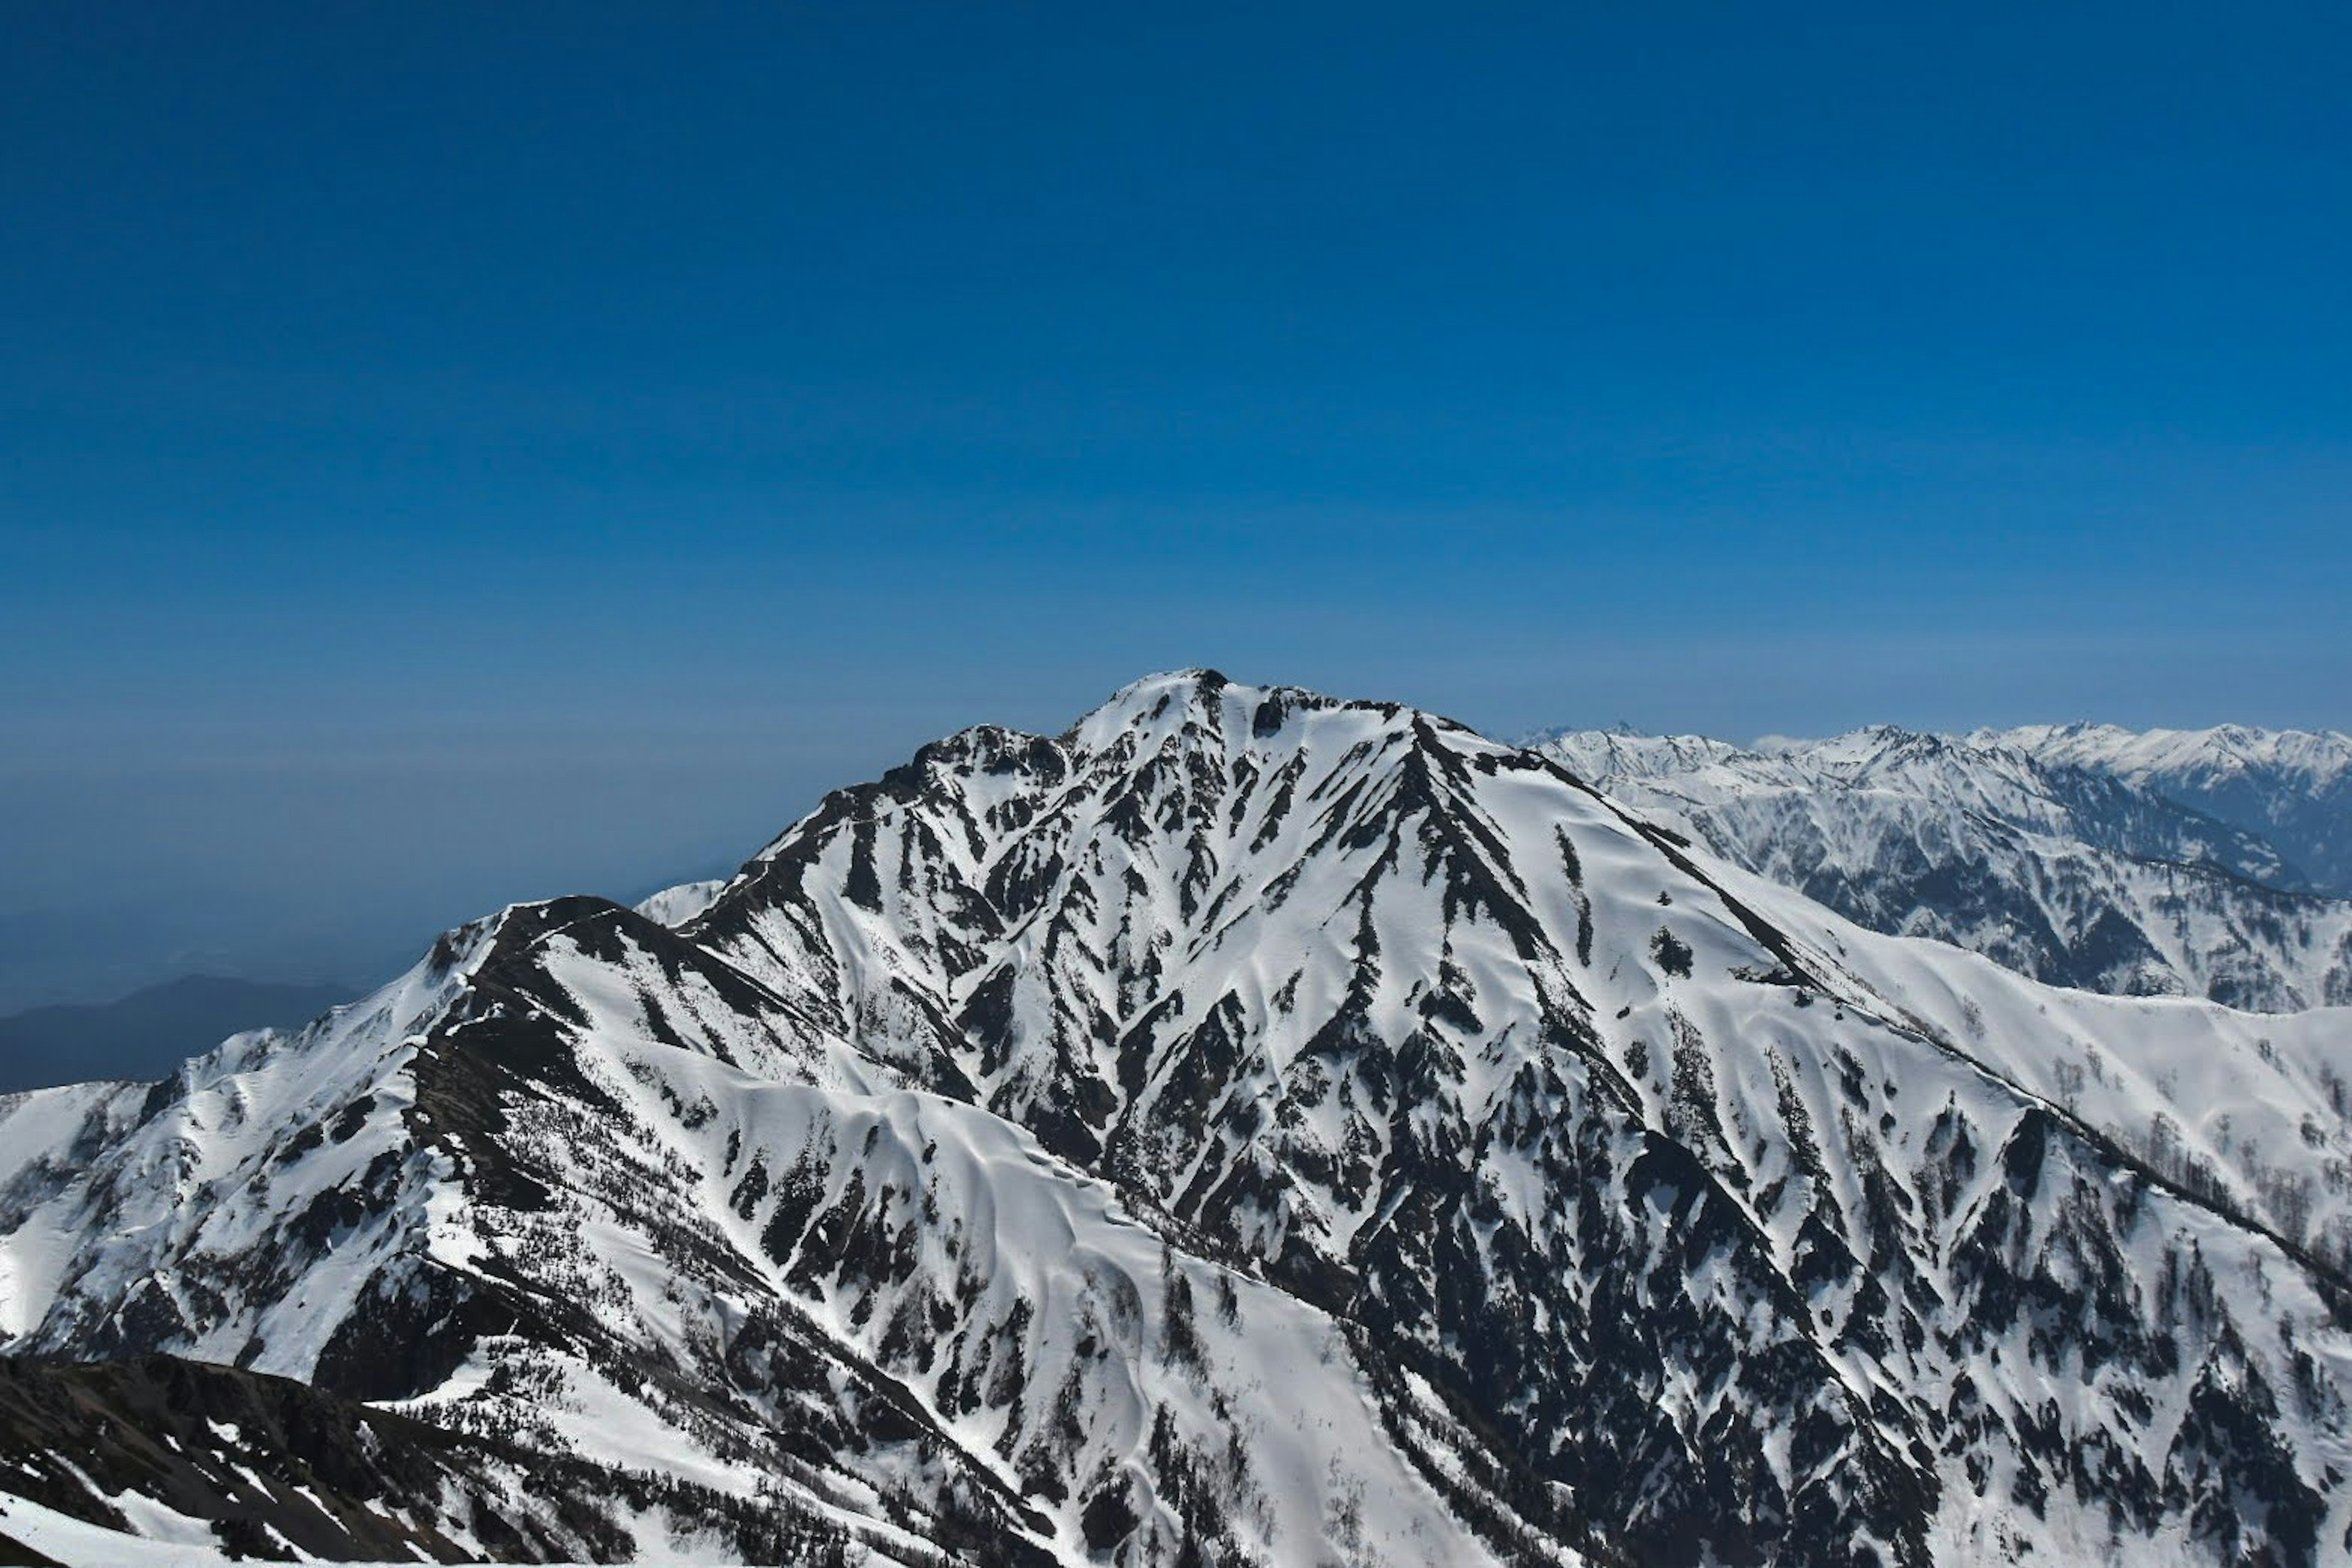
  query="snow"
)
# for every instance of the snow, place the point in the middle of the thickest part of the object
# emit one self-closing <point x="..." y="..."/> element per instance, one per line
<point x="79" y="1544"/>
<point x="676" y="906"/>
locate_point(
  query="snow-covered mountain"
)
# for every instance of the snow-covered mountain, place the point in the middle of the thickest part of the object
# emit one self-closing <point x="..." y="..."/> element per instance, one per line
<point x="1248" y="1127"/>
<point x="2086" y="876"/>
<point x="2294" y="787"/>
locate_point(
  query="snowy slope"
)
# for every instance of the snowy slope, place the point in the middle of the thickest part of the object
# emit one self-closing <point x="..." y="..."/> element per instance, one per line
<point x="676" y="906"/>
<point x="1253" y="1127"/>
<point x="2080" y="877"/>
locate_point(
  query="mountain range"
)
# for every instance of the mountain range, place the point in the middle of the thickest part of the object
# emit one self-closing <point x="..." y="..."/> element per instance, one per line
<point x="1247" y="1127"/>
<point x="2176" y="863"/>
<point x="2293" y="787"/>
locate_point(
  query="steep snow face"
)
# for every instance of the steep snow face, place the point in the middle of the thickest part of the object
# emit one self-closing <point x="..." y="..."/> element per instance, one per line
<point x="2292" y="786"/>
<point x="2080" y="877"/>
<point x="1256" y="1127"/>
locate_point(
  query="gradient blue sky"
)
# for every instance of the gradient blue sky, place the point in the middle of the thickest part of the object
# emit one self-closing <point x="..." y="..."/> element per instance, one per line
<point x="450" y="454"/>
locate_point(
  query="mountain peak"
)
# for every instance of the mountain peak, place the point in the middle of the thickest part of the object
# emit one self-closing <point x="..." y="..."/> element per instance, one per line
<point x="1190" y="684"/>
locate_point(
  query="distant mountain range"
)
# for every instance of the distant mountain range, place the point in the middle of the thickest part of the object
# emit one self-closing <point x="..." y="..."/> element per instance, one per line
<point x="1248" y="1127"/>
<point x="2292" y="787"/>
<point x="2175" y="863"/>
<point x="148" y="1034"/>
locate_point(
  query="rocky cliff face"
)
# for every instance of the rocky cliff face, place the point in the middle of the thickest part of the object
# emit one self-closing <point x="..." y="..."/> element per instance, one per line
<point x="1253" y="1127"/>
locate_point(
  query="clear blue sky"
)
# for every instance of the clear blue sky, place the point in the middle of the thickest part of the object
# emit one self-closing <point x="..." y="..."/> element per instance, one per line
<point x="458" y="453"/>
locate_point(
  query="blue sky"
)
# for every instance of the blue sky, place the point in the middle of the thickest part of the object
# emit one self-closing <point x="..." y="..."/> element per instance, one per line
<point x="455" y="454"/>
